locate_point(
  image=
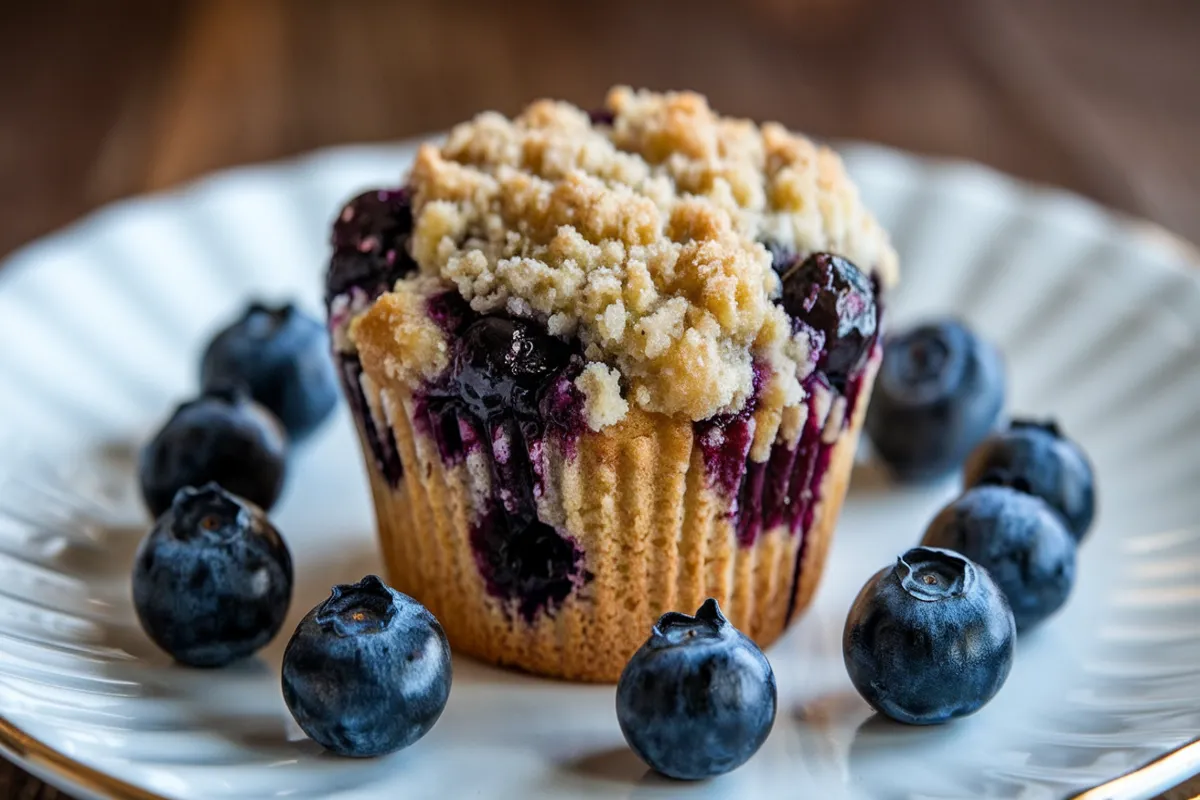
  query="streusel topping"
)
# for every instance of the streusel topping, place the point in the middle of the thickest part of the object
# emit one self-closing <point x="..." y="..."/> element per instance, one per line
<point x="645" y="237"/>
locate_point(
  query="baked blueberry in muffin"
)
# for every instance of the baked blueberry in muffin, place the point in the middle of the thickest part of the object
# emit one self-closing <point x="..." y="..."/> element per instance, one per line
<point x="606" y="365"/>
<point x="370" y="244"/>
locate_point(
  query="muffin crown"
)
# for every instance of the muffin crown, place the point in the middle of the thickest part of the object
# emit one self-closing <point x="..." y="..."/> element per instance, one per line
<point x="648" y="231"/>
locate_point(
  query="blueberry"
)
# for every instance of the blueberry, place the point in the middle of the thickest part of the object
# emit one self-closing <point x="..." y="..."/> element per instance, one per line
<point x="1035" y="457"/>
<point x="367" y="671"/>
<point x="282" y="356"/>
<point x="522" y="560"/>
<point x="370" y="243"/>
<point x="939" y="393"/>
<point x="698" y="698"/>
<point x="213" y="580"/>
<point x="1019" y="540"/>
<point x="503" y="364"/>
<point x="929" y="638"/>
<point x="834" y="297"/>
<point x="221" y="436"/>
<point x="602" y="117"/>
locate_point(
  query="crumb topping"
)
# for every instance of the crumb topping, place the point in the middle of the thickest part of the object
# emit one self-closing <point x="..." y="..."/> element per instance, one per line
<point x="601" y="388"/>
<point x="396" y="336"/>
<point x="646" y="238"/>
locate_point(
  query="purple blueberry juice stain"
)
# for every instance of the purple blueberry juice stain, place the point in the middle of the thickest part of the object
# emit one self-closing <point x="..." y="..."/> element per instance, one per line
<point x="469" y="433"/>
<point x="776" y="495"/>
<point x="447" y="433"/>
<point x="523" y="561"/>
<point x="534" y="434"/>
<point x="725" y="443"/>
<point x="512" y="474"/>
<point x="439" y="420"/>
<point x="526" y="563"/>
<point x="510" y="387"/>
<point x="812" y="492"/>
<point x="561" y="407"/>
<point x="820" y="465"/>
<point x="803" y="461"/>
<point x="764" y="501"/>
<point x="750" y="503"/>
<point x="724" y="440"/>
<point x="807" y="456"/>
<point x="381" y="443"/>
<point x="536" y="454"/>
<point x="785" y="489"/>
<point x="819" y="457"/>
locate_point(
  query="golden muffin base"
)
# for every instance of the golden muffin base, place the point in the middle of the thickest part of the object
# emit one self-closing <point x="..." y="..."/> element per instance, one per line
<point x="637" y="501"/>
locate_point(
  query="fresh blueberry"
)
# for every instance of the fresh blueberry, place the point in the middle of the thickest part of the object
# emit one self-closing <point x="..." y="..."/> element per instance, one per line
<point x="1019" y="540"/>
<point x="939" y="393"/>
<point x="367" y="671"/>
<point x="222" y="436"/>
<point x="282" y="356"/>
<point x="1035" y="457"/>
<point x="698" y="698"/>
<point x="835" y="298"/>
<point x="370" y="243"/>
<point x="929" y="638"/>
<point x="213" y="579"/>
<point x="503" y="364"/>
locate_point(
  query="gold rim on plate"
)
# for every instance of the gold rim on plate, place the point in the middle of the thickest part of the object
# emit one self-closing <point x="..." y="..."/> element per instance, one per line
<point x="25" y="750"/>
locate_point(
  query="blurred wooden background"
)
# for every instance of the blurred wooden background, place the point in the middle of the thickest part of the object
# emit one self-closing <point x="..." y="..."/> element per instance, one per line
<point x="100" y="100"/>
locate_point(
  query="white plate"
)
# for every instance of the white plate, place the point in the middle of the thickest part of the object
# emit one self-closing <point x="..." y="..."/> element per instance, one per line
<point x="99" y="332"/>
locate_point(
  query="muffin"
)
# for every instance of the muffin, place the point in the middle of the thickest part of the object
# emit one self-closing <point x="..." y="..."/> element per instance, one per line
<point x="605" y="366"/>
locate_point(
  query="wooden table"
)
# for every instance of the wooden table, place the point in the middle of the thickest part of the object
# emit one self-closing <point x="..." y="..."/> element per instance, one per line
<point x="103" y="100"/>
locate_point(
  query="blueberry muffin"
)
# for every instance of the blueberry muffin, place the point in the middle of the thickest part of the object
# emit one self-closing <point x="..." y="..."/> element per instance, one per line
<point x="606" y="366"/>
